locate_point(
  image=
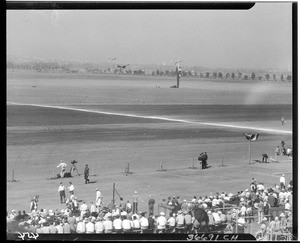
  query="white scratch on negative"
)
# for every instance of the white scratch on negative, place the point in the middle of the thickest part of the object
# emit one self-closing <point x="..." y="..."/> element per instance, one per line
<point x="158" y="118"/>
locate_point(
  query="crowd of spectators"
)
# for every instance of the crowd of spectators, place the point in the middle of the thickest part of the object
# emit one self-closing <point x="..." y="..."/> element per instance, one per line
<point x="270" y="207"/>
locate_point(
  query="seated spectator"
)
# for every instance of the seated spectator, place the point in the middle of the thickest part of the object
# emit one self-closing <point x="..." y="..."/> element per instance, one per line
<point x="188" y="221"/>
<point x="216" y="217"/>
<point x="151" y="221"/>
<point x="80" y="227"/>
<point x="52" y="228"/>
<point x="99" y="227"/>
<point x="210" y="218"/>
<point x="89" y="226"/>
<point x="260" y="234"/>
<point x="161" y="223"/>
<point x="144" y="221"/>
<point x="171" y="223"/>
<point x="45" y="228"/>
<point x="108" y="225"/>
<point x="19" y="216"/>
<point x="180" y="220"/>
<point x="275" y="226"/>
<point x="66" y="227"/>
<point x="117" y="224"/>
<point x="135" y="223"/>
<point x="283" y="222"/>
<point x="126" y="224"/>
<point x="241" y="224"/>
<point x="222" y="217"/>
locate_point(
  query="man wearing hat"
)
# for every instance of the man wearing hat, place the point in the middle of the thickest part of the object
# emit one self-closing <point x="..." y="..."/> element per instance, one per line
<point x="282" y="182"/>
<point x="86" y="174"/>
<point x="180" y="225"/>
<point x="161" y="223"/>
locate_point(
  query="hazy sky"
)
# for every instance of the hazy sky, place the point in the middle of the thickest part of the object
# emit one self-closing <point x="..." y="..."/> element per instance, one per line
<point x="256" y="38"/>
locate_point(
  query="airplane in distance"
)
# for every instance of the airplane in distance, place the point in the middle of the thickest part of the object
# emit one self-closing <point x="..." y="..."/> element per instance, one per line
<point x="122" y="66"/>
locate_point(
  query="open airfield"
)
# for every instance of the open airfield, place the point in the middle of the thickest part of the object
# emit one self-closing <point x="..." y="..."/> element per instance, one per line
<point x="109" y="121"/>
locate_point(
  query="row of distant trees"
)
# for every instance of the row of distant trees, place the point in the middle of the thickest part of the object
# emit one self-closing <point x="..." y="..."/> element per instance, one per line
<point x="227" y="75"/>
<point x="68" y="68"/>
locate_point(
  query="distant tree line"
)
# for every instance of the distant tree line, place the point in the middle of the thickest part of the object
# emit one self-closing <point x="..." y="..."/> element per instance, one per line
<point x="71" y="68"/>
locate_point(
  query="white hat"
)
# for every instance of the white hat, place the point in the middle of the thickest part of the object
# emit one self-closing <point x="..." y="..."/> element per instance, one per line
<point x="282" y="215"/>
<point x="265" y="219"/>
<point x="124" y="213"/>
<point x="162" y="213"/>
<point x="242" y="200"/>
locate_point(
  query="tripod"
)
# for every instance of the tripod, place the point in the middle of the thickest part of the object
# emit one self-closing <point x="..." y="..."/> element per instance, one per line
<point x="73" y="166"/>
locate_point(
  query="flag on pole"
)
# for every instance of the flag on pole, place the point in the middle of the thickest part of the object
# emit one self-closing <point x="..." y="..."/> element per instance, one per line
<point x="251" y="137"/>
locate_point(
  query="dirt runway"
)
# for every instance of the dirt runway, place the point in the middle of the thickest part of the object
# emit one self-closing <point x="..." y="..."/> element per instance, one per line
<point x="38" y="137"/>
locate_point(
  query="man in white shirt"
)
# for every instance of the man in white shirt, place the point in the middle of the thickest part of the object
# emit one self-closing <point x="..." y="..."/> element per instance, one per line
<point x="71" y="188"/>
<point x="62" y="166"/>
<point x="126" y="224"/>
<point x="108" y="225"/>
<point x="59" y="228"/>
<point x="136" y="223"/>
<point x="117" y="224"/>
<point x="93" y="209"/>
<point x="282" y="182"/>
<point x="161" y="223"/>
<point x="89" y="227"/>
<point x="83" y="209"/>
<point x="144" y="222"/>
<point x="62" y="193"/>
<point x="216" y="217"/>
<point x="99" y="227"/>
<point x="80" y="227"/>
<point x="171" y="223"/>
<point x="98" y="198"/>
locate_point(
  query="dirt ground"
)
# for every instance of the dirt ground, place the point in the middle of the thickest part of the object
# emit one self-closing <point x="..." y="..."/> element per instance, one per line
<point x="38" y="138"/>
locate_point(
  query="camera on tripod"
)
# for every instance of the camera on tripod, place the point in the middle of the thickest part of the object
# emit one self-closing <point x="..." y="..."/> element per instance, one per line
<point x="74" y="162"/>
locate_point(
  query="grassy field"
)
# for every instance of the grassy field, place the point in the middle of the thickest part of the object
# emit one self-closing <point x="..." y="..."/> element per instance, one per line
<point x="39" y="137"/>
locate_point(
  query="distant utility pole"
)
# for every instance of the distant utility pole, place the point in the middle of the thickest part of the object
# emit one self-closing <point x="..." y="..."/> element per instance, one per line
<point x="178" y="72"/>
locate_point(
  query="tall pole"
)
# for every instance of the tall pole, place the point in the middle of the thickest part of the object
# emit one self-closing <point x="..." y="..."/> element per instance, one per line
<point x="114" y="194"/>
<point x="249" y="151"/>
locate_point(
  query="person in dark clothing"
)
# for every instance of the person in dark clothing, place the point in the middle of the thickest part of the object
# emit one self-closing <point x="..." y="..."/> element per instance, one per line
<point x="271" y="200"/>
<point x="264" y="158"/>
<point x="203" y="158"/>
<point x="19" y="216"/>
<point x="151" y="223"/>
<point x="151" y="205"/>
<point x="86" y="174"/>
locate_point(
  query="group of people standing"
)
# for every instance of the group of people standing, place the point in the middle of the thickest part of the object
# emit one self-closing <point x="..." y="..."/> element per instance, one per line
<point x="63" y="167"/>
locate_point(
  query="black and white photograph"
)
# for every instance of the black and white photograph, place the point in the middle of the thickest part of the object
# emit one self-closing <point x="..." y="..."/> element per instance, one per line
<point x="127" y="121"/>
